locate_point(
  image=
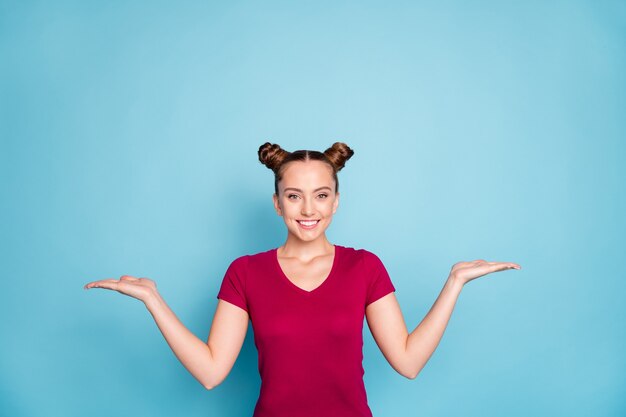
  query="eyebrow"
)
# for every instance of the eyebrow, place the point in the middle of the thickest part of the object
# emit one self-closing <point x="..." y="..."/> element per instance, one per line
<point x="299" y="190"/>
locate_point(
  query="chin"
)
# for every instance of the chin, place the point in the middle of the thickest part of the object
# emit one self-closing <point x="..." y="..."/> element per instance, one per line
<point x="306" y="237"/>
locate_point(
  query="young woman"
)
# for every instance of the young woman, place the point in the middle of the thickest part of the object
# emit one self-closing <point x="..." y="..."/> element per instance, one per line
<point x="306" y="301"/>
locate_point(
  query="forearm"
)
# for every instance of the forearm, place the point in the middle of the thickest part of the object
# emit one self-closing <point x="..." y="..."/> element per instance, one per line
<point x="422" y="342"/>
<point x="192" y="352"/>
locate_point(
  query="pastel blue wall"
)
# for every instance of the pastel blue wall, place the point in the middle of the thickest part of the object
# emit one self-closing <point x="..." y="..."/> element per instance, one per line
<point x="129" y="133"/>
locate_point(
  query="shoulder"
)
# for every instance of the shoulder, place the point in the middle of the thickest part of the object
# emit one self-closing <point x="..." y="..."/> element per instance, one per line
<point x="244" y="261"/>
<point x="240" y="262"/>
<point x="361" y="255"/>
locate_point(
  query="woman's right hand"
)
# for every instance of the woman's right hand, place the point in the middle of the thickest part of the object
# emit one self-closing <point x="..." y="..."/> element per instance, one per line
<point x="139" y="288"/>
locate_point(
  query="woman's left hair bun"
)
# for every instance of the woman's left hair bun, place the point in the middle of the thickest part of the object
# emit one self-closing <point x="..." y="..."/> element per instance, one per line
<point x="338" y="154"/>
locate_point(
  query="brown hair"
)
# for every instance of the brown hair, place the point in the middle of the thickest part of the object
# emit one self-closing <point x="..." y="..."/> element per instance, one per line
<point x="276" y="158"/>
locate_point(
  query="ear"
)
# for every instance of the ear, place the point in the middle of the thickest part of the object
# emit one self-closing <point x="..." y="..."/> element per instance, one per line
<point x="277" y="205"/>
<point x="335" y="203"/>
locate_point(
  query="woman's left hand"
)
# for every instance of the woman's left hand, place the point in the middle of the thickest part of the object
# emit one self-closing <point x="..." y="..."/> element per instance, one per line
<point x="464" y="272"/>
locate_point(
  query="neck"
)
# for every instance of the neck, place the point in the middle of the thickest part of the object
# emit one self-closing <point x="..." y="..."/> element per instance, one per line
<point x="297" y="248"/>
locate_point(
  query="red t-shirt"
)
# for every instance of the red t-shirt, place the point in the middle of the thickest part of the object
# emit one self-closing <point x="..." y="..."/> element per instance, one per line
<point x="309" y="343"/>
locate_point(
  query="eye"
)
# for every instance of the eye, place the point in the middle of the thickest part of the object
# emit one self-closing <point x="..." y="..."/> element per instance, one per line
<point x="323" y="195"/>
<point x="292" y="196"/>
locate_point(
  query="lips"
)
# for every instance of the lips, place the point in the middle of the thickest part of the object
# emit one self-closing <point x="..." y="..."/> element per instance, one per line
<point x="308" y="224"/>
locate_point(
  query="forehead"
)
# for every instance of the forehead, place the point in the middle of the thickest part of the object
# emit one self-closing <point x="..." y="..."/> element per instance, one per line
<point x="315" y="173"/>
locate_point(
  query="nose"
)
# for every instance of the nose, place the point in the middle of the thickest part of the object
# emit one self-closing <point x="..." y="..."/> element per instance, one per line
<point x="307" y="207"/>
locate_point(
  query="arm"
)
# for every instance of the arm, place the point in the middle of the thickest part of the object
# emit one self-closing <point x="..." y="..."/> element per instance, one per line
<point x="425" y="338"/>
<point x="409" y="353"/>
<point x="208" y="362"/>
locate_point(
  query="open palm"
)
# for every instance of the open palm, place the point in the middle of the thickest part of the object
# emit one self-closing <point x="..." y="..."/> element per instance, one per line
<point x="139" y="288"/>
<point x="467" y="271"/>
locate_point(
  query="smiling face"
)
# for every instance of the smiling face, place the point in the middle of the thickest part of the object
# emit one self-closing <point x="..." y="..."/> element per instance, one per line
<point x="307" y="199"/>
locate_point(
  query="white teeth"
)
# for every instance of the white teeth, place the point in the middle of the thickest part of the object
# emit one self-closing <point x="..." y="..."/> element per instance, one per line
<point x="307" y="223"/>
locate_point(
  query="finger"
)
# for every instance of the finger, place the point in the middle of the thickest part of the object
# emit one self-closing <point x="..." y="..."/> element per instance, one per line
<point x="504" y="265"/>
<point x="100" y="283"/>
<point x="128" y="278"/>
<point x="512" y="265"/>
<point x="91" y="284"/>
<point x="107" y="285"/>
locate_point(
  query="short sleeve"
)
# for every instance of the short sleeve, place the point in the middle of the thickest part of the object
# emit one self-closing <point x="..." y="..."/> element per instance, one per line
<point x="379" y="283"/>
<point x="233" y="287"/>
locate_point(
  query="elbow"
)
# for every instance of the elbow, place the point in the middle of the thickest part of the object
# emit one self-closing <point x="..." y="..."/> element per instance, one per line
<point x="407" y="372"/>
<point x="209" y="385"/>
<point x="412" y="374"/>
<point x="213" y="379"/>
<point x="412" y="371"/>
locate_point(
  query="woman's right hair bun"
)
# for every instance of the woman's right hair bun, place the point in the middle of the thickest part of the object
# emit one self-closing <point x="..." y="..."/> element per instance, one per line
<point x="338" y="154"/>
<point x="272" y="155"/>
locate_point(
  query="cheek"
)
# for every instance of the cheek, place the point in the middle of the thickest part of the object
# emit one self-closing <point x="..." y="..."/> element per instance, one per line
<point x="329" y="208"/>
<point x="289" y="208"/>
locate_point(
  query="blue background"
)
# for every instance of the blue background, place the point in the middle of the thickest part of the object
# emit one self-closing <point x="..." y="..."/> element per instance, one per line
<point x="494" y="130"/>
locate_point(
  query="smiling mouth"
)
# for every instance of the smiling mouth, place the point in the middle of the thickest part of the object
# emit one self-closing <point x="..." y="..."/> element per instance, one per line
<point x="308" y="223"/>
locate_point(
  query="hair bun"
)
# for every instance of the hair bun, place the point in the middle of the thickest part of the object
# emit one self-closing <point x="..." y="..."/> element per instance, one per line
<point x="338" y="154"/>
<point x="272" y="155"/>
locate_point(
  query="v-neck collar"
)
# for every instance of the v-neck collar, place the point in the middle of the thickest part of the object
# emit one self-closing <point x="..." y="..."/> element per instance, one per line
<point x="315" y="290"/>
